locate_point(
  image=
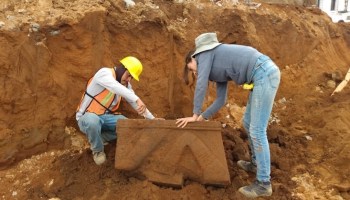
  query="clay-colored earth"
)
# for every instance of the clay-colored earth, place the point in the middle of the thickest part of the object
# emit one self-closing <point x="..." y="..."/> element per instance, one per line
<point x="49" y="49"/>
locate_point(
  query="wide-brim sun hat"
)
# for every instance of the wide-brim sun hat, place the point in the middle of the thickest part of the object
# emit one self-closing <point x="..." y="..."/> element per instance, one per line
<point x="205" y="42"/>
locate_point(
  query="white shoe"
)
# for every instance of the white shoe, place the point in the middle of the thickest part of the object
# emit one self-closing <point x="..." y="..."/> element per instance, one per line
<point x="99" y="157"/>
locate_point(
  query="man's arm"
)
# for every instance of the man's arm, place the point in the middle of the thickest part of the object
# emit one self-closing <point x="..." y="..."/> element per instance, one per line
<point x="147" y="114"/>
<point x="104" y="78"/>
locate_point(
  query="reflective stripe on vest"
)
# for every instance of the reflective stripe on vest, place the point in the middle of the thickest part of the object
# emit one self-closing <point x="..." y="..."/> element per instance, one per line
<point x="101" y="102"/>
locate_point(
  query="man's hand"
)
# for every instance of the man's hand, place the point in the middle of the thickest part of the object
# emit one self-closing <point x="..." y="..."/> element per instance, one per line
<point x="182" y="122"/>
<point x="141" y="107"/>
<point x="158" y="118"/>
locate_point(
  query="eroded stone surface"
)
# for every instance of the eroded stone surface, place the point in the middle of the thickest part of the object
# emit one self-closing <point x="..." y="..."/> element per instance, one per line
<point x="166" y="154"/>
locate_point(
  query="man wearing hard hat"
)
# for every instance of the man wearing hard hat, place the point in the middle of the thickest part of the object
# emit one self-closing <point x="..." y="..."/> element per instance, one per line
<point x="97" y="114"/>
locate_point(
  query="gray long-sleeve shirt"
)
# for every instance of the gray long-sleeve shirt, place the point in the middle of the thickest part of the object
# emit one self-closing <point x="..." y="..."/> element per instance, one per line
<point x="224" y="63"/>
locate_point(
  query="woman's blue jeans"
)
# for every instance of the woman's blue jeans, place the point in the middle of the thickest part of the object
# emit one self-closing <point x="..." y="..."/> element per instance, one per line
<point x="266" y="79"/>
<point x="99" y="128"/>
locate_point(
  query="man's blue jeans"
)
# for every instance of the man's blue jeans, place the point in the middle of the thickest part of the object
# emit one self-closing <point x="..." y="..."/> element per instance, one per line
<point x="266" y="79"/>
<point x="99" y="128"/>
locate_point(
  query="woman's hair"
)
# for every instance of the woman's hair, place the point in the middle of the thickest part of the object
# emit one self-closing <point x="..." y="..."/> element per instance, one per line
<point x="119" y="72"/>
<point x="188" y="59"/>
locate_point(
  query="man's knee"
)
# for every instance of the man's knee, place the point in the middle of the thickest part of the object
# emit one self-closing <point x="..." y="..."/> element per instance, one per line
<point x="89" y="121"/>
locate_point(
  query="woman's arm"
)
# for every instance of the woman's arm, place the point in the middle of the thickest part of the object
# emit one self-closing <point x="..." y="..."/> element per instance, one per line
<point x="221" y="94"/>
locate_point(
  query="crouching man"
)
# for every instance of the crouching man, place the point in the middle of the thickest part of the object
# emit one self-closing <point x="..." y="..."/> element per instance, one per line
<point x="97" y="114"/>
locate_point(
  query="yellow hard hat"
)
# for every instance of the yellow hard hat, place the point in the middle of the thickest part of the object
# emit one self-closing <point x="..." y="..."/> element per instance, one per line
<point x="133" y="65"/>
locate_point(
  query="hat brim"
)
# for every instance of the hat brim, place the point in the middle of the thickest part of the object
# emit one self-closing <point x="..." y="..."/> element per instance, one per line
<point x="205" y="48"/>
<point x="134" y="76"/>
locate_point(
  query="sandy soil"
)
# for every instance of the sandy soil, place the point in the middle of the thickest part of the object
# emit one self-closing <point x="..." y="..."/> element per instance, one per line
<point x="49" y="49"/>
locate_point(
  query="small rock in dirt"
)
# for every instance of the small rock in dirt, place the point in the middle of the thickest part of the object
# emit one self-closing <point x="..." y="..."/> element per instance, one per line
<point x="21" y="11"/>
<point x="331" y="84"/>
<point x="53" y="33"/>
<point x="318" y="89"/>
<point x="283" y="100"/>
<point x="9" y="176"/>
<point x="9" y="17"/>
<point x="129" y="3"/>
<point x="342" y="187"/>
<point x="35" y="27"/>
<point x="337" y="76"/>
<point x="308" y="137"/>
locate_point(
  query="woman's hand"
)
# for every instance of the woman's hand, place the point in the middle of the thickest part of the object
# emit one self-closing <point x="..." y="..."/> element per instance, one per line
<point x="141" y="107"/>
<point x="182" y="122"/>
<point x="200" y="118"/>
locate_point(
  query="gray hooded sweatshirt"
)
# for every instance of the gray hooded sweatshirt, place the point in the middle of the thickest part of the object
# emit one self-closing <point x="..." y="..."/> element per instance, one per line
<point x="224" y="63"/>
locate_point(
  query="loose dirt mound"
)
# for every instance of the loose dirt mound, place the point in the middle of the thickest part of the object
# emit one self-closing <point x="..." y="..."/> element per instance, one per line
<point x="49" y="49"/>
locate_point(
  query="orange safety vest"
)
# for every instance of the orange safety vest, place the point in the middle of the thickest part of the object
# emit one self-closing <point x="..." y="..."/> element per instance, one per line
<point x="101" y="102"/>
